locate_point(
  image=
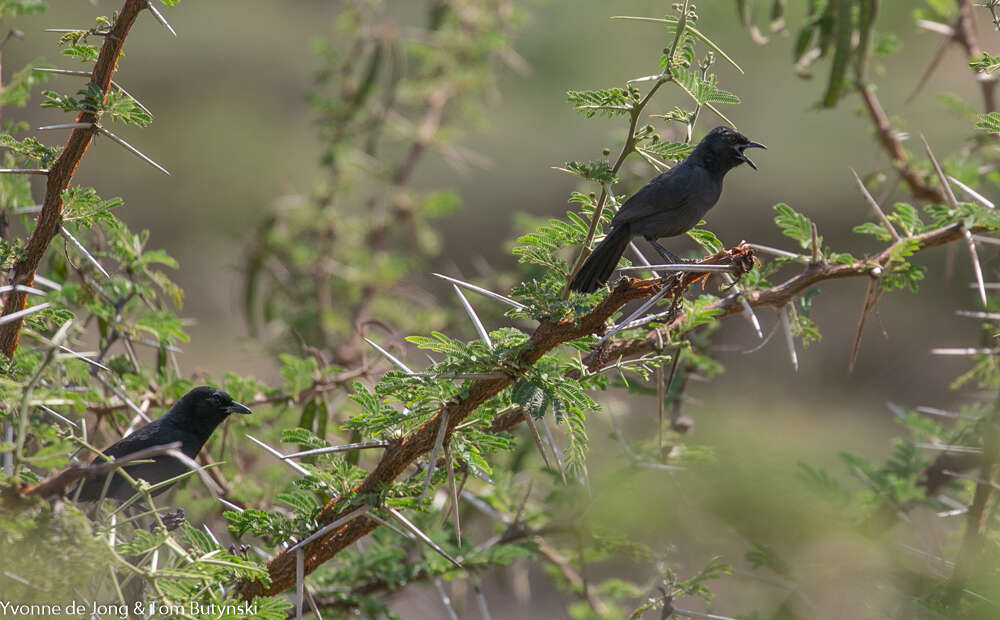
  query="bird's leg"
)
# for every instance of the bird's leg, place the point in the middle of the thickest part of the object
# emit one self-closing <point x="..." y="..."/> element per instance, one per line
<point x="666" y="254"/>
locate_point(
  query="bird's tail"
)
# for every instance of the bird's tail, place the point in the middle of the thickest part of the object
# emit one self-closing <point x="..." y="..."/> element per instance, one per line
<point x="599" y="266"/>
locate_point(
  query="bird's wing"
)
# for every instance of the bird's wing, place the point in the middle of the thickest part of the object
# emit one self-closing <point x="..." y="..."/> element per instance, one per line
<point x="666" y="192"/>
<point x="144" y="437"/>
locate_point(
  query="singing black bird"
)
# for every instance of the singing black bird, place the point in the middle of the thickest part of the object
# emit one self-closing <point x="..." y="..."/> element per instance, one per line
<point x="669" y="205"/>
<point x="190" y="421"/>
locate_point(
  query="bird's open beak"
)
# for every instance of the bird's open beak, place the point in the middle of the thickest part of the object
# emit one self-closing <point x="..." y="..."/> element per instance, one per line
<point x="751" y="145"/>
<point x="238" y="408"/>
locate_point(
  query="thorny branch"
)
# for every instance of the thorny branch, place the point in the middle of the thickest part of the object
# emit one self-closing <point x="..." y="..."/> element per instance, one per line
<point x="776" y="296"/>
<point x="61" y="173"/>
<point x="56" y="485"/>
<point x="404" y="452"/>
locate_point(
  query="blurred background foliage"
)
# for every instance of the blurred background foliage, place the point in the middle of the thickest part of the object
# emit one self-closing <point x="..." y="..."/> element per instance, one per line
<point x="247" y="114"/>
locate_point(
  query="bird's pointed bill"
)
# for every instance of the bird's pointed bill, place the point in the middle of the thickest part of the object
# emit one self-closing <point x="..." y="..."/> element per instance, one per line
<point x="751" y="145"/>
<point x="238" y="408"/>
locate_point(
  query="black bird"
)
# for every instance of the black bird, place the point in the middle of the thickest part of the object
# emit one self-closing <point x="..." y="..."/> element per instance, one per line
<point x="190" y="421"/>
<point x="669" y="205"/>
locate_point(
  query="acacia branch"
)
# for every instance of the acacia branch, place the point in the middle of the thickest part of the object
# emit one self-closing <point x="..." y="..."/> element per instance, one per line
<point x="965" y="34"/>
<point x="893" y="146"/>
<point x="404" y="452"/>
<point x="55" y="486"/>
<point x="61" y="173"/>
<point x="778" y="295"/>
<point x="546" y="337"/>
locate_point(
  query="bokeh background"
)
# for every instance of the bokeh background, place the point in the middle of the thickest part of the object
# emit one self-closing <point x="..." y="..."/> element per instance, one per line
<point x="232" y="126"/>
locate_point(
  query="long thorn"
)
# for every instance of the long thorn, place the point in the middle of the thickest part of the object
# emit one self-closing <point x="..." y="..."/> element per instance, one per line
<point x="67" y="126"/>
<point x="435" y="452"/>
<point x="159" y="17"/>
<point x="329" y="527"/>
<point x="948" y="194"/>
<point x="389" y="356"/>
<point x="555" y="449"/>
<point x="374" y="517"/>
<point x="973" y="193"/>
<point x="789" y="338"/>
<point x="875" y="208"/>
<point x="642" y="257"/>
<point x="989" y="316"/>
<point x="483" y="334"/>
<point x="132" y="97"/>
<point x="686" y="267"/>
<point x="302" y="470"/>
<point x="445" y="599"/>
<point x="121" y="395"/>
<point x="453" y="492"/>
<point x="483" y="291"/>
<point x="84" y="358"/>
<point x="484" y="611"/>
<point x="964" y="351"/>
<point x="747" y="308"/>
<point x="977" y="269"/>
<point x="13" y="316"/>
<point x="872" y="294"/>
<point x="300" y="582"/>
<point x="24" y="171"/>
<point x="131" y="149"/>
<point x="530" y="421"/>
<point x="59" y="416"/>
<point x="343" y="448"/>
<point x="422" y="537"/>
<point x="23" y="289"/>
<point x="79" y="246"/>
<point x="645" y="306"/>
<point x="48" y="283"/>
<point x="766" y="249"/>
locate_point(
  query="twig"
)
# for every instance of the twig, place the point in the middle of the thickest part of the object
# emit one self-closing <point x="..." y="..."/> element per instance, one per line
<point x="56" y="485"/>
<point x="873" y="292"/>
<point x="61" y="172"/>
<point x="875" y="208"/>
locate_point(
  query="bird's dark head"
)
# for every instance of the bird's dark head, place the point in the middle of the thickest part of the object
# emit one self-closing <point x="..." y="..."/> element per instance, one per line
<point x="205" y="407"/>
<point x="724" y="148"/>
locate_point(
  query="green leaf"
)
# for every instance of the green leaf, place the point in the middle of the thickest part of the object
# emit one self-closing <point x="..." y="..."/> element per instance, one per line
<point x="31" y="149"/>
<point x="122" y="108"/>
<point x="17" y="90"/>
<point x="83" y="53"/>
<point x="793" y="224"/>
<point x="531" y="396"/>
<point x="673" y="151"/>
<point x="13" y="8"/>
<point x="871" y="228"/>
<point x="844" y="28"/>
<point x="599" y="171"/>
<point x="985" y="63"/>
<point x="298" y="372"/>
<point x="608" y="102"/>
<point x="989" y="122"/>
<point x="705" y="239"/>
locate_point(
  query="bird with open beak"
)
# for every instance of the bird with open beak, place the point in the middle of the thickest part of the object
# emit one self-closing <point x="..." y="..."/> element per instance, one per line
<point x="668" y="205"/>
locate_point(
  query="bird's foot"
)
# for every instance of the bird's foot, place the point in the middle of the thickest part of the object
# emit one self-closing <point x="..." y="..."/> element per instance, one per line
<point x="173" y="520"/>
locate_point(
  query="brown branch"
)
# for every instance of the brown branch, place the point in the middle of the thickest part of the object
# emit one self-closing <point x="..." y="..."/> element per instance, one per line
<point x="401" y="454"/>
<point x="61" y="173"/>
<point x="890" y="141"/>
<point x="965" y="34"/>
<point x="55" y="486"/>
<point x="547" y="336"/>
<point x="777" y="296"/>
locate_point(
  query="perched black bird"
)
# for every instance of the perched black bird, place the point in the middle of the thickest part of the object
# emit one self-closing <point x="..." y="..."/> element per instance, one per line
<point x="669" y="205"/>
<point x="190" y="421"/>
